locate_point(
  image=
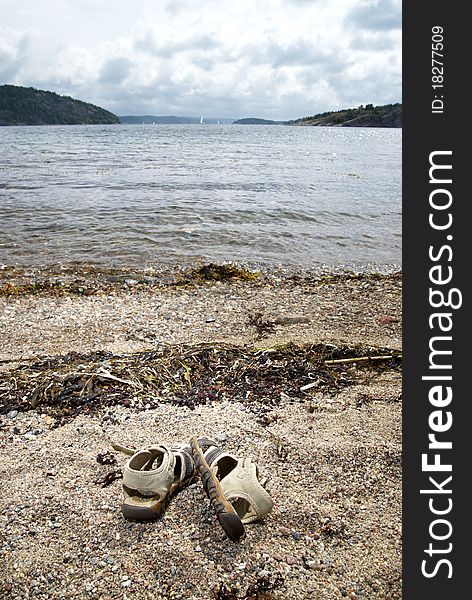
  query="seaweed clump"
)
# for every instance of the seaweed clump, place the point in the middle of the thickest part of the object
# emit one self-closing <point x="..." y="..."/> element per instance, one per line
<point x="188" y="375"/>
<point x="216" y="272"/>
<point x="261" y="589"/>
<point x="91" y="281"/>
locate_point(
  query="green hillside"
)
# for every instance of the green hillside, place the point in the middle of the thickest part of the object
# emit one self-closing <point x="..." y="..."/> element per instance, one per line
<point x="29" y="106"/>
<point x="389" y="115"/>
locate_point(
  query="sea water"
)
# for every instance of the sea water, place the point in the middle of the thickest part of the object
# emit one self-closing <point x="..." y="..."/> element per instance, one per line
<point x="141" y="195"/>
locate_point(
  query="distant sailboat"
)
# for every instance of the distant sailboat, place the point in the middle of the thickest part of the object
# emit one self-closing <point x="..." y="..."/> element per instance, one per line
<point x="201" y="121"/>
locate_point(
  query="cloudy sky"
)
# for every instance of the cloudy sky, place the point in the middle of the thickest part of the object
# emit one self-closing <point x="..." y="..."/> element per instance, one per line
<point x="277" y="59"/>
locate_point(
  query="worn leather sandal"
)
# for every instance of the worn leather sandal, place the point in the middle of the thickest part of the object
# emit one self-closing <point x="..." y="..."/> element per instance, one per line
<point x="233" y="488"/>
<point x="151" y="476"/>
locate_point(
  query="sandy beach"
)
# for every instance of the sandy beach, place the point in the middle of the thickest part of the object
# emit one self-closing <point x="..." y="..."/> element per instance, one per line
<point x="228" y="358"/>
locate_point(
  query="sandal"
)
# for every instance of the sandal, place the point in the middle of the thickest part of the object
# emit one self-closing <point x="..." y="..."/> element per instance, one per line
<point x="233" y="488"/>
<point x="151" y="476"/>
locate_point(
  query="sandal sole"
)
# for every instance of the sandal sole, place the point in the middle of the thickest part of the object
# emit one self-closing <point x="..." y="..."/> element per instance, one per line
<point x="138" y="513"/>
<point x="134" y="512"/>
<point x="225" y="513"/>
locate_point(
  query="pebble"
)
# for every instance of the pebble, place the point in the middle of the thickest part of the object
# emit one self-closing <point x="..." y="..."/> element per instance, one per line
<point x="387" y="320"/>
<point x="12" y="414"/>
<point x="291" y="560"/>
<point x="264" y="574"/>
<point x="291" y="320"/>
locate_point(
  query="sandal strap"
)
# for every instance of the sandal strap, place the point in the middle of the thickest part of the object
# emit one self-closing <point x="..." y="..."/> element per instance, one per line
<point x="187" y="464"/>
<point x="214" y="454"/>
<point x="139" y="475"/>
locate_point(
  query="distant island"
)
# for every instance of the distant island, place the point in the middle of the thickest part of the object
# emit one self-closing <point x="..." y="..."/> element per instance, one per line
<point x="172" y="120"/>
<point x="389" y="115"/>
<point x="254" y="121"/>
<point x="29" y="106"/>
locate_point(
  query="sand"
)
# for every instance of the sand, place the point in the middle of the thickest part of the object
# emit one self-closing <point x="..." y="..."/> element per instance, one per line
<point x="333" y="456"/>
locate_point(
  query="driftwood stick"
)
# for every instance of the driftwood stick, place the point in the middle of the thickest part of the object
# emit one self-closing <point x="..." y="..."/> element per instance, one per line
<point x="358" y="359"/>
<point x="123" y="449"/>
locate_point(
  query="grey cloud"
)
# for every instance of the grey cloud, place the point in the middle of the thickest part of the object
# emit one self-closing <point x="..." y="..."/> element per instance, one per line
<point x="13" y="55"/>
<point x="382" y="15"/>
<point x="311" y="75"/>
<point x="300" y="53"/>
<point x="296" y="54"/>
<point x="175" y="6"/>
<point x="373" y="89"/>
<point x="8" y="68"/>
<point x="115" y="70"/>
<point x="148" y="43"/>
<point x="207" y="63"/>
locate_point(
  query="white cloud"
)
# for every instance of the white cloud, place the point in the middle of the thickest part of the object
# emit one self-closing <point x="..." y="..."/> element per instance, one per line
<point x="270" y="58"/>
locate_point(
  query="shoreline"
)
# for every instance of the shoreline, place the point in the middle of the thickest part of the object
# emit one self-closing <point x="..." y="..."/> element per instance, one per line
<point x="249" y="347"/>
<point x="47" y="314"/>
<point x="167" y="274"/>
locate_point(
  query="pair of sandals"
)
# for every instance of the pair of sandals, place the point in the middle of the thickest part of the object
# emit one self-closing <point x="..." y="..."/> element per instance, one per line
<point x="152" y="475"/>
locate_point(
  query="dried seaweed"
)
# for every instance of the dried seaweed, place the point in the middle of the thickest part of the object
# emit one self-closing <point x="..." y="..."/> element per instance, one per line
<point x="260" y="590"/>
<point x="90" y="281"/>
<point x="216" y="272"/>
<point x="109" y="478"/>
<point x="106" y="458"/>
<point x="186" y="375"/>
<point x="263" y="326"/>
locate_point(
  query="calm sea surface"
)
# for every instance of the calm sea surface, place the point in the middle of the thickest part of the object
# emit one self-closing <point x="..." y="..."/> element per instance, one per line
<point x="137" y="196"/>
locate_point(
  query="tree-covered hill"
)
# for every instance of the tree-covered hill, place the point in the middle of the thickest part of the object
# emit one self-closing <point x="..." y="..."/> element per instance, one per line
<point x="389" y="115"/>
<point x="29" y="106"/>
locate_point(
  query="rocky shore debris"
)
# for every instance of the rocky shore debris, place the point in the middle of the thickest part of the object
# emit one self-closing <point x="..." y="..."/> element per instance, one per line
<point x="260" y="590"/>
<point x="187" y="375"/>
<point x="89" y="280"/>
<point x="218" y="272"/>
<point x="265" y="326"/>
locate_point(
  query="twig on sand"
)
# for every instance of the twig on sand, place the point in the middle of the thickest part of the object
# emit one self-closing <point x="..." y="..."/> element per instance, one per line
<point x="358" y="359"/>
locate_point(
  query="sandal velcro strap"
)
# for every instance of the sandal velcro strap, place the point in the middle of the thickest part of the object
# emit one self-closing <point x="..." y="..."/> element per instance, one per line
<point x="214" y="453"/>
<point x="187" y="465"/>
